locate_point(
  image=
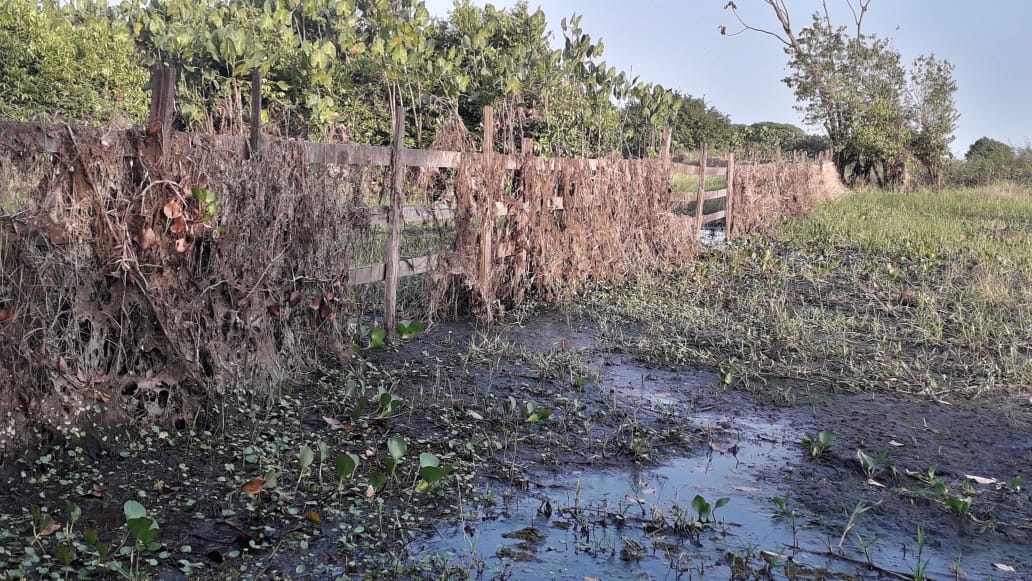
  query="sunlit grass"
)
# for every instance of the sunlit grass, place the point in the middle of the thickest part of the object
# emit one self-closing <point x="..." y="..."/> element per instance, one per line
<point x="993" y="224"/>
<point x="690" y="183"/>
<point x="925" y="293"/>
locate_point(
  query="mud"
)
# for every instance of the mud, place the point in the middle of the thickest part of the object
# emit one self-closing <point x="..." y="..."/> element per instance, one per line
<point x="603" y="487"/>
<point x="753" y="453"/>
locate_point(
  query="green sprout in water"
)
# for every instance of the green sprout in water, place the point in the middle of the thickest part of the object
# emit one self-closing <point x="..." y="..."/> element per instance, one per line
<point x="704" y="509"/>
<point x="819" y="445"/>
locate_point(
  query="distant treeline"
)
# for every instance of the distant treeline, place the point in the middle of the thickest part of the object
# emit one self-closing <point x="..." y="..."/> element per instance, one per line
<point x="335" y="70"/>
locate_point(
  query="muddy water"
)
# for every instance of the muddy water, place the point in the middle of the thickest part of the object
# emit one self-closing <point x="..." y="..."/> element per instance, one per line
<point x="638" y="522"/>
<point x="622" y="524"/>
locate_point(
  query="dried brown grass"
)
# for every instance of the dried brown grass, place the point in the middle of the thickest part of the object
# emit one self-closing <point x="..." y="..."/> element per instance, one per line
<point x="111" y="303"/>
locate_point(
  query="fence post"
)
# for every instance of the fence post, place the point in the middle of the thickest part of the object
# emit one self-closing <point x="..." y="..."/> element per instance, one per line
<point x="667" y="138"/>
<point x="701" y="200"/>
<point x="527" y="146"/>
<point x="394" y="220"/>
<point x="729" y="210"/>
<point x="777" y="154"/>
<point x="256" y="113"/>
<point x="163" y="100"/>
<point x="487" y="227"/>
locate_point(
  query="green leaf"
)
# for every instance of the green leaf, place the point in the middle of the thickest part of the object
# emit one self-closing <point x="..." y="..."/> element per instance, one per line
<point x="377" y="480"/>
<point x="145" y="529"/>
<point x="133" y="509"/>
<point x="701" y="507"/>
<point x="408" y="329"/>
<point x="377" y="339"/>
<point x="428" y="459"/>
<point x="432" y="474"/>
<point x="346" y="465"/>
<point x="826" y="438"/>
<point x="305" y="457"/>
<point x="397" y="446"/>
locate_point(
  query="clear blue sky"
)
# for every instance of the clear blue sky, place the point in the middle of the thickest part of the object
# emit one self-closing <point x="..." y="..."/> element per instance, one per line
<point x="676" y="43"/>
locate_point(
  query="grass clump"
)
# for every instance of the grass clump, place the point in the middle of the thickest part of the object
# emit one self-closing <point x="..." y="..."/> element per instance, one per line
<point x="921" y="293"/>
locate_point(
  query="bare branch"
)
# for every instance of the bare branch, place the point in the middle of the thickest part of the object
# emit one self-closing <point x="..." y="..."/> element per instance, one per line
<point x="780" y="11"/>
<point x="858" y="19"/>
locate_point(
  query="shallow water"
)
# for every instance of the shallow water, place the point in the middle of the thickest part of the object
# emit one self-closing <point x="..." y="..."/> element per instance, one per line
<point x="602" y="524"/>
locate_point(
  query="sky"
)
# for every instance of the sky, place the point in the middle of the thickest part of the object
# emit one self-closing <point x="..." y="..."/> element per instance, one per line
<point x="677" y="44"/>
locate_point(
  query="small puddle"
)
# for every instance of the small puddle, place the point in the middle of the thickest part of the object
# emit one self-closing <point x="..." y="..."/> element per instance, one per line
<point x="640" y="523"/>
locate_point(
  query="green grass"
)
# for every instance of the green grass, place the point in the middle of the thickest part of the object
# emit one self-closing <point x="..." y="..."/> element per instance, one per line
<point x="993" y="224"/>
<point x="686" y="183"/>
<point x="690" y="183"/>
<point x="921" y="293"/>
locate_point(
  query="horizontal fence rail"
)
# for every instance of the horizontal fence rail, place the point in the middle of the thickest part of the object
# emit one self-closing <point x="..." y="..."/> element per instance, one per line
<point x="399" y="158"/>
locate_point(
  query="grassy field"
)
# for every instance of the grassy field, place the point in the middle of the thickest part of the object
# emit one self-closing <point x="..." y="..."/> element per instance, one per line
<point x="685" y="183"/>
<point x="923" y="293"/>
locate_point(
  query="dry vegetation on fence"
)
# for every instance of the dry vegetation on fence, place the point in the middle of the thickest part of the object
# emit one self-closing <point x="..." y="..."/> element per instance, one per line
<point x="124" y="292"/>
<point x="140" y="276"/>
<point x="767" y="192"/>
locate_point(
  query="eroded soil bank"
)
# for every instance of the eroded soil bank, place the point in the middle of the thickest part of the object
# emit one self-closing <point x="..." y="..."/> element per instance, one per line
<point x="557" y="456"/>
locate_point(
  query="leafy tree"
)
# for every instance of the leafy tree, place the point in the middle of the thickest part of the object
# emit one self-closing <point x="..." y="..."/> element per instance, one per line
<point x="765" y="137"/>
<point x="933" y="113"/>
<point x="61" y="62"/>
<point x="696" y="123"/>
<point x="991" y="150"/>
<point x="853" y="85"/>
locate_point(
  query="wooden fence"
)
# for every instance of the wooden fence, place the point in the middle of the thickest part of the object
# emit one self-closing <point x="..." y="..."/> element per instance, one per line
<point x="398" y="159"/>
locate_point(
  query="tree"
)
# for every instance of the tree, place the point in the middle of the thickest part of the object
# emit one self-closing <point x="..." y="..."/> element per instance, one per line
<point x="987" y="149"/>
<point x="933" y="113"/>
<point x="70" y="63"/>
<point x="853" y="85"/>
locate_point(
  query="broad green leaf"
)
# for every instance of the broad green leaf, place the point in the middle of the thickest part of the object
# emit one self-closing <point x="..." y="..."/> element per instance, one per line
<point x="346" y="464"/>
<point x="133" y="509"/>
<point x="397" y="446"/>
<point x="305" y="457"/>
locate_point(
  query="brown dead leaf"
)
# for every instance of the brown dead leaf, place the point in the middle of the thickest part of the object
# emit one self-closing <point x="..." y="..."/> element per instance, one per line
<point x="295" y="297"/>
<point x="178" y="226"/>
<point x="172" y="210"/>
<point x="62" y="365"/>
<point x="253" y="486"/>
<point x="313" y="517"/>
<point x="147" y="238"/>
<point x="101" y="396"/>
<point x="80" y="376"/>
<point x="329" y="295"/>
<point x="49" y="529"/>
<point x="370" y="491"/>
<point x="324" y="311"/>
<point x="274" y="310"/>
<point x="315" y="304"/>
<point x="333" y="423"/>
<point x="6" y="315"/>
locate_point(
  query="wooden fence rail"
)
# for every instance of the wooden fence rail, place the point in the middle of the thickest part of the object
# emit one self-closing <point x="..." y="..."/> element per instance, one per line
<point x="398" y="159"/>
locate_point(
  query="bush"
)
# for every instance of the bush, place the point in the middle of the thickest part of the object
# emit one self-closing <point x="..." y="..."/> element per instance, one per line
<point x="67" y="64"/>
